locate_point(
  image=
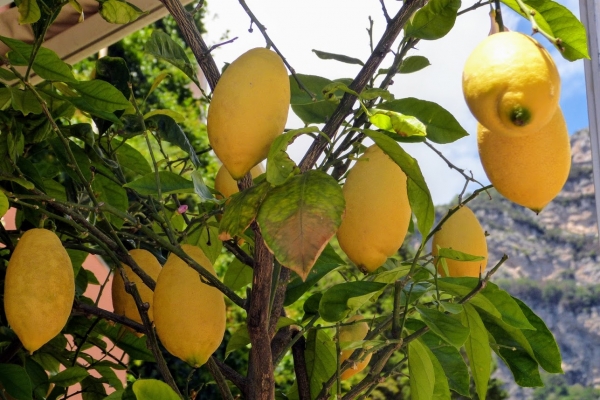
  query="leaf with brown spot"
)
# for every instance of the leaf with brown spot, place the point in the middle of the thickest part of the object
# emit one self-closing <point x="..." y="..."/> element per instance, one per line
<point x="241" y="210"/>
<point x="298" y="218"/>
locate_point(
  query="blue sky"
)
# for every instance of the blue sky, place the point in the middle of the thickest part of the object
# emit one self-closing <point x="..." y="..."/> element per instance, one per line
<point x="339" y="26"/>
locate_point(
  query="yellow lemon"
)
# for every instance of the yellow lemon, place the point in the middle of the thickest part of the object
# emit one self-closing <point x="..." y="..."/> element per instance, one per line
<point x="511" y="84"/>
<point x="529" y="170"/>
<point x="377" y="210"/>
<point x="353" y="333"/>
<point x="248" y="110"/>
<point x="227" y="186"/>
<point x="462" y="232"/>
<point x="39" y="288"/>
<point x="123" y="302"/>
<point x="189" y="315"/>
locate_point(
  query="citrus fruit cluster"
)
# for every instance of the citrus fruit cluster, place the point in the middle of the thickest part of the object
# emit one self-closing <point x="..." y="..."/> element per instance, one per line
<point x="512" y="87"/>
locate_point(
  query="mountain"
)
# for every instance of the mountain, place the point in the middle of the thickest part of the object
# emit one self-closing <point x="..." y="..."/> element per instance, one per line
<point x="553" y="265"/>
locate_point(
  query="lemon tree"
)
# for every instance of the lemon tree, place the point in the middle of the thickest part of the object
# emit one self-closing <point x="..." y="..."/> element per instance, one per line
<point x="281" y="283"/>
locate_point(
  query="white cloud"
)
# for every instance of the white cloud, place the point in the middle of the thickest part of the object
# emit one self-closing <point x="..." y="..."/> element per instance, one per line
<point x="339" y="26"/>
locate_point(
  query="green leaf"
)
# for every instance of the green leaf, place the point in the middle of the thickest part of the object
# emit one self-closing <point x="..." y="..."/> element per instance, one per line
<point x="47" y="64"/>
<point x="152" y="389"/>
<point x="206" y="237"/>
<point x="448" y="327"/>
<point x="558" y="21"/>
<point x="299" y="218"/>
<point x="119" y="12"/>
<point x="338" y="57"/>
<point x="478" y="350"/>
<point x="419" y="196"/>
<point x="108" y="373"/>
<point x="5" y="97"/>
<point x="81" y="159"/>
<point x="101" y="95"/>
<point x="177" y="117"/>
<point x="241" y="210"/>
<point x="162" y="46"/>
<point x="130" y="158"/>
<point x="29" y="11"/>
<point x="7" y="76"/>
<point x="200" y="187"/>
<point x="440" y="125"/>
<point x="168" y="130"/>
<point x="508" y="345"/>
<point x="16" y="382"/>
<point x="441" y="389"/>
<point x="309" y="111"/>
<point x="38" y="377"/>
<point x="4" y="206"/>
<point x="420" y="369"/>
<point x="134" y="346"/>
<point x="238" y="275"/>
<point x="238" y="340"/>
<point x="452" y="362"/>
<point x="403" y="125"/>
<point x="543" y="344"/>
<point x="82" y="104"/>
<point x="457" y="255"/>
<point x="491" y="299"/>
<point x="25" y="101"/>
<point x="434" y="20"/>
<point x="321" y="360"/>
<point x="413" y="64"/>
<point x="339" y="300"/>
<point x="69" y="376"/>
<point x="279" y="165"/>
<point x="170" y="183"/>
<point x="327" y="262"/>
<point x="114" y="70"/>
<point x="111" y="193"/>
<point x="92" y="388"/>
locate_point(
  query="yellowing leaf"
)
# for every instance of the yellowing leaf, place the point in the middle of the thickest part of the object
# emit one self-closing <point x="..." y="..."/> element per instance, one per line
<point x="298" y="218"/>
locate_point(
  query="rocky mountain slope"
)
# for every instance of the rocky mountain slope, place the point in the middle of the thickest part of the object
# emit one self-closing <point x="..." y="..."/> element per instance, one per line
<point x="553" y="265"/>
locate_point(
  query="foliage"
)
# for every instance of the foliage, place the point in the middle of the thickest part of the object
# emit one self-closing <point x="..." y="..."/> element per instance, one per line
<point x="117" y="159"/>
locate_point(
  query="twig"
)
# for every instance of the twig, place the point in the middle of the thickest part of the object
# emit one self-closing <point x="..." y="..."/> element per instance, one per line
<point x="385" y="12"/>
<point x="215" y="371"/>
<point x="93" y="310"/>
<point x="231" y="374"/>
<point x="475" y="6"/>
<point x="214" y="46"/>
<point x="270" y="43"/>
<point x="300" y="369"/>
<point x="452" y="166"/>
<point x="360" y="82"/>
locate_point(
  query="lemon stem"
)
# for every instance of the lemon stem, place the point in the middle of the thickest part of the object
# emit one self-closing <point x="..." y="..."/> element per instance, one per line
<point x="498" y="16"/>
<point x="530" y="13"/>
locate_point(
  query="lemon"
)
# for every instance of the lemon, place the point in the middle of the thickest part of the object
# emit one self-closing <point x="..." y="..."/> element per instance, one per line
<point x="189" y="315"/>
<point x="123" y="302"/>
<point x="353" y="333"/>
<point x="529" y="170"/>
<point x="462" y="232"/>
<point x="248" y="110"/>
<point x="377" y="210"/>
<point x="511" y="84"/>
<point x="227" y="186"/>
<point x="39" y="288"/>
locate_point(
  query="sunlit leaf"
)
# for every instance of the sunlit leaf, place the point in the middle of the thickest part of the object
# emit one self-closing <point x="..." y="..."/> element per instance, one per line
<point x="421" y="372"/>
<point x="29" y="11"/>
<point x="279" y="165"/>
<point x="558" y="21"/>
<point x="434" y="20"/>
<point x="101" y="94"/>
<point x="440" y="125"/>
<point x="119" y="12"/>
<point x="152" y="389"/>
<point x="446" y="326"/>
<point x="478" y="350"/>
<point x="338" y="301"/>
